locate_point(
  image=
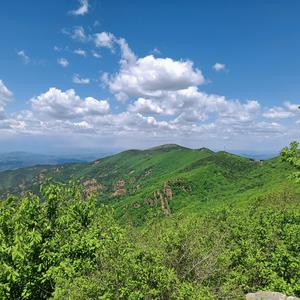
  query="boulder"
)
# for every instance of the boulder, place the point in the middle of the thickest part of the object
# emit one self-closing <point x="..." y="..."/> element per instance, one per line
<point x="269" y="296"/>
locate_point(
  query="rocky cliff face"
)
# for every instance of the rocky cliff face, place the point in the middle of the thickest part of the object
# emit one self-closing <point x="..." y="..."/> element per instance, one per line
<point x="119" y="188"/>
<point x="163" y="196"/>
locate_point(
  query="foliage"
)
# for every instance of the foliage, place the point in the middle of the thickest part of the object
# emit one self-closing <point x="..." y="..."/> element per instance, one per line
<point x="65" y="241"/>
<point x="233" y="251"/>
<point x="234" y="228"/>
<point x="291" y="155"/>
<point x="56" y="238"/>
<point x="65" y="247"/>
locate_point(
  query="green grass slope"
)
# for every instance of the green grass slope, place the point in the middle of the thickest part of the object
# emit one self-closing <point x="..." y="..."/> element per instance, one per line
<point x="165" y="180"/>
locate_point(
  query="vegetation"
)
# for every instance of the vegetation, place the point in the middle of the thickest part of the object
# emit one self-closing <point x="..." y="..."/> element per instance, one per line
<point x="65" y="247"/>
<point x="134" y="181"/>
<point x="191" y="224"/>
<point x="292" y="156"/>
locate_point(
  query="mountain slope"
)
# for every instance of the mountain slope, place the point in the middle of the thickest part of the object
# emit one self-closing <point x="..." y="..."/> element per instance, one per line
<point x="133" y="165"/>
<point x="168" y="179"/>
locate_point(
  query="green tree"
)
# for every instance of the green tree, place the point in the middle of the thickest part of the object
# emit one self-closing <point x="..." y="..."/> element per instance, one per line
<point x="62" y="246"/>
<point x="291" y="155"/>
<point x="43" y="241"/>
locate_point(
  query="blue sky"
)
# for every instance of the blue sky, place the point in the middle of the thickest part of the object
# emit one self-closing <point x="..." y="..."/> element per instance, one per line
<point x="94" y="74"/>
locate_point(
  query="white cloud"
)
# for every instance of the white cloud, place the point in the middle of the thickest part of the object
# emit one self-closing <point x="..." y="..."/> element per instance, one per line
<point x="288" y="110"/>
<point x="127" y="56"/>
<point x="25" y="58"/>
<point x="80" y="52"/>
<point x="146" y="106"/>
<point x="5" y="93"/>
<point x="165" y="103"/>
<point x="78" y="80"/>
<point x="63" y="62"/>
<point x="60" y="105"/>
<point x="82" y="9"/>
<point x="5" y="96"/>
<point x="292" y="107"/>
<point x="278" y="113"/>
<point x="234" y="111"/>
<point x="219" y="67"/>
<point x="104" y="39"/>
<point x="150" y="76"/>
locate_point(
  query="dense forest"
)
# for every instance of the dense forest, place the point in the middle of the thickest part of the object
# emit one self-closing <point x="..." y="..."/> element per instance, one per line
<point x="218" y="226"/>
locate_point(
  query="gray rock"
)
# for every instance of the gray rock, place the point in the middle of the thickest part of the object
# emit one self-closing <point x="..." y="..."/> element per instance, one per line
<point x="269" y="296"/>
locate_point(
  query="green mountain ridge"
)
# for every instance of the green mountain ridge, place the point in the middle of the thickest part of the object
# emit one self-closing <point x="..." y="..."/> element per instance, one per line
<point x="168" y="178"/>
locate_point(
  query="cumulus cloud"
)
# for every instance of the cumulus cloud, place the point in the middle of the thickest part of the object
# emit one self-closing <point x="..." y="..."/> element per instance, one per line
<point x="79" y="80"/>
<point x="191" y="105"/>
<point x="218" y="67"/>
<point x="292" y="106"/>
<point x="146" y="106"/>
<point x="24" y="57"/>
<point x="61" y="105"/>
<point x="82" y="9"/>
<point x="164" y="102"/>
<point x="149" y="76"/>
<point x="278" y="113"/>
<point x="167" y="87"/>
<point x="63" y="62"/>
<point x="288" y="110"/>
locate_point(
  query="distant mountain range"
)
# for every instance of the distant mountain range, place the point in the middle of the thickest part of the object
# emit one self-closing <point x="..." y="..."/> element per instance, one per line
<point x="16" y="160"/>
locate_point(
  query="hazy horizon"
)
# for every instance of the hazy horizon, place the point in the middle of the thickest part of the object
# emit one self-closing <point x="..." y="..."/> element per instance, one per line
<point x="90" y="154"/>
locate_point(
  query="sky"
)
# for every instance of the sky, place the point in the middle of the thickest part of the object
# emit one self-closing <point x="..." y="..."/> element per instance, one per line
<point x="94" y="75"/>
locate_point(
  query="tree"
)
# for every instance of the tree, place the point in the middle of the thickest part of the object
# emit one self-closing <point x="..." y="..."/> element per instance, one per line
<point x="48" y="238"/>
<point x="61" y="245"/>
<point x="291" y="155"/>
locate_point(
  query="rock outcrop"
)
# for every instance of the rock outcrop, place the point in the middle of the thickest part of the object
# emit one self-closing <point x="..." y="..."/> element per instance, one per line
<point x="164" y="203"/>
<point x="269" y="296"/>
<point x="168" y="191"/>
<point x="91" y="186"/>
<point x="119" y="188"/>
<point x="163" y="196"/>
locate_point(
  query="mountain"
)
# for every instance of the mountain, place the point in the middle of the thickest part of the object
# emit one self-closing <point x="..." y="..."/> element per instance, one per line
<point x="170" y="178"/>
<point x="19" y="159"/>
<point x="185" y="224"/>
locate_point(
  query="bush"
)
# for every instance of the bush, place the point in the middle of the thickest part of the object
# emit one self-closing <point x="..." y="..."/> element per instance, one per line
<point x="61" y="245"/>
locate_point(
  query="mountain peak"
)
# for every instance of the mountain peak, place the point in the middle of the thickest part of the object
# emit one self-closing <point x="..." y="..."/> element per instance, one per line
<point x="205" y="149"/>
<point x="167" y="147"/>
